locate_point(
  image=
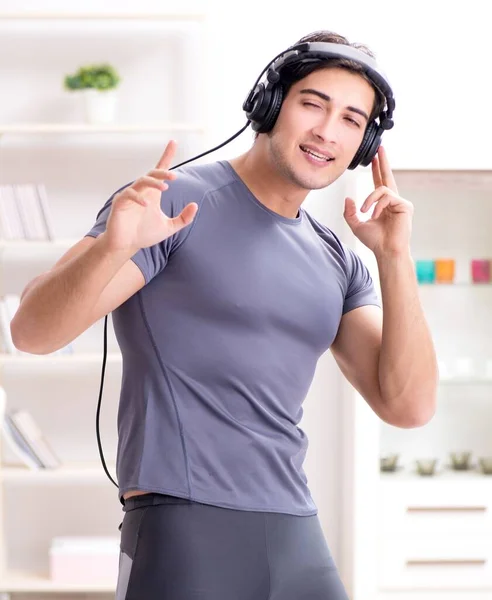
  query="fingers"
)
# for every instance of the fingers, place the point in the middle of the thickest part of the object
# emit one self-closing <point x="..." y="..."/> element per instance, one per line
<point x="162" y="174"/>
<point x="167" y="157"/>
<point x="130" y="194"/>
<point x="383" y="203"/>
<point x="376" y="172"/>
<point x="374" y="197"/>
<point x="387" y="176"/>
<point x="185" y="217"/>
<point x="145" y="182"/>
<point x="350" y="214"/>
<point x="383" y="198"/>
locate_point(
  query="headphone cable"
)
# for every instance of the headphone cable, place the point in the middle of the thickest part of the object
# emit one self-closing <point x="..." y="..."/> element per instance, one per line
<point x="105" y="334"/>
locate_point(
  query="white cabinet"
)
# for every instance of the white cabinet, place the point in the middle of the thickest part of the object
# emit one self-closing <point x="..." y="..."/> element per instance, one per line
<point x="418" y="537"/>
<point x="435" y="534"/>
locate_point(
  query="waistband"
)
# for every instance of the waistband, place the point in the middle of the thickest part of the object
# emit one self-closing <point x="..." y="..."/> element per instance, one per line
<point x="152" y="499"/>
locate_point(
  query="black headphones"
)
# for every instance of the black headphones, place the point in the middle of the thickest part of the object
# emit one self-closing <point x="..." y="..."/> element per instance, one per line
<point x="262" y="106"/>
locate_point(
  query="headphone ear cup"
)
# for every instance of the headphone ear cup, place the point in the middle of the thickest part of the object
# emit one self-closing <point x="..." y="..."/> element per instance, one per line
<point x="259" y="104"/>
<point x="266" y="103"/>
<point x="273" y="109"/>
<point x="368" y="147"/>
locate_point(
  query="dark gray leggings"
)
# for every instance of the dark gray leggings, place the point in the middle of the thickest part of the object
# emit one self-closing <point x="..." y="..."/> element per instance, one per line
<point x="174" y="549"/>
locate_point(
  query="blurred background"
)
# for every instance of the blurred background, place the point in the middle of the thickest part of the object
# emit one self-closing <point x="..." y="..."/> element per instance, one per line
<point x="406" y="512"/>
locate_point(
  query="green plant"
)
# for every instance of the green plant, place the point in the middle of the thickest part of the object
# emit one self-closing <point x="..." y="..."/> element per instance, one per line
<point x="100" y="77"/>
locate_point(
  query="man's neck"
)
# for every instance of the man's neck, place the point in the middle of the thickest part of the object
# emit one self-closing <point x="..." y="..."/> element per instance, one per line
<point x="268" y="185"/>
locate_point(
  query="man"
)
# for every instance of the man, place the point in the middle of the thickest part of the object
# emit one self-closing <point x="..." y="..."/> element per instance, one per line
<point x="224" y="294"/>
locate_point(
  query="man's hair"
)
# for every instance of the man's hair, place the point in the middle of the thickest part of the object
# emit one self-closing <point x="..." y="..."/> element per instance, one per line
<point x="290" y="74"/>
<point x="294" y="73"/>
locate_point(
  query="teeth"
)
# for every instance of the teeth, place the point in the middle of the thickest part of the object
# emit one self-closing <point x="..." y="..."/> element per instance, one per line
<point x="318" y="156"/>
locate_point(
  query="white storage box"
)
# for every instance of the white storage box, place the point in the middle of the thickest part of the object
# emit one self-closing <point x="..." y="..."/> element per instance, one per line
<point x="84" y="559"/>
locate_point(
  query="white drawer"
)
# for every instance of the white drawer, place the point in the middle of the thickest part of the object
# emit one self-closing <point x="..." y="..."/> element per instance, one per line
<point x="444" y="562"/>
<point x="434" y="595"/>
<point x="423" y="508"/>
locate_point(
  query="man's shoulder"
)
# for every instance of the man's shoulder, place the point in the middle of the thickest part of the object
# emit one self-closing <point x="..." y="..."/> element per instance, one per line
<point x="203" y="177"/>
<point x="327" y="235"/>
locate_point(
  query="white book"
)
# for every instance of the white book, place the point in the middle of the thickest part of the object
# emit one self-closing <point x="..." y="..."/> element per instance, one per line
<point x="5" y="231"/>
<point x="5" y="329"/>
<point x="45" y="210"/>
<point x="30" y="211"/>
<point x="11" y="214"/>
<point x="68" y="349"/>
<point x="13" y="437"/>
<point x="12" y="303"/>
<point x="18" y="444"/>
<point x="33" y="435"/>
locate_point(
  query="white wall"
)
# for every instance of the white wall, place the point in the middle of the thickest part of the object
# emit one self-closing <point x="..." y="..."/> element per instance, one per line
<point x="436" y="54"/>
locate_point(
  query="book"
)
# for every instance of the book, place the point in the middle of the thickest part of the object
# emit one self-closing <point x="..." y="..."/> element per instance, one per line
<point x="29" y="430"/>
<point x="25" y="212"/>
<point x="19" y="445"/>
<point x="13" y="438"/>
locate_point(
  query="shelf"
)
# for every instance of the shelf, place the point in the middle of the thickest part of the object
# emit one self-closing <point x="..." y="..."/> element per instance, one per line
<point x="18" y="581"/>
<point x="459" y="285"/>
<point x="465" y="380"/>
<point x="55" y="16"/>
<point x="37" y="245"/>
<point x="86" y="128"/>
<point x="60" y="360"/>
<point x="407" y="474"/>
<point x="79" y="473"/>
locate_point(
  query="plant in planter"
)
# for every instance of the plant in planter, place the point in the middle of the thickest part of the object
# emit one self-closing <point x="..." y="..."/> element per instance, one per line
<point x="99" y="85"/>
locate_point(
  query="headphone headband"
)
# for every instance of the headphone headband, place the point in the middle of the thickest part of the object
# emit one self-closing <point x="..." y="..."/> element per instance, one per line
<point x="315" y="51"/>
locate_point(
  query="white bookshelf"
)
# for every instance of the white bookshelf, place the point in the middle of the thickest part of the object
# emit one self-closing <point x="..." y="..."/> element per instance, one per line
<point x="450" y="381"/>
<point x="78" y="473"/>
<point x="37" y="245"/>
<point x="56" y="361"/>
<point x="84" y="128"/>
<point x="68" y="384"/>
<point x="102" y="16"/>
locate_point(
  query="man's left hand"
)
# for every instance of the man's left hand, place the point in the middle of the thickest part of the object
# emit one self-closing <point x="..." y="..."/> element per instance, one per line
<point x="388" y="229"/>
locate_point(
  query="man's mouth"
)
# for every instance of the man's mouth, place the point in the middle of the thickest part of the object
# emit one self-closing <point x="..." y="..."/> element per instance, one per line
<point x="316" y="154"/>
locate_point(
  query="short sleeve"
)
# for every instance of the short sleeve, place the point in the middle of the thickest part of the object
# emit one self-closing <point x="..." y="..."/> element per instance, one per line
<point x="360" y="290"/>
<point x="152" y="260"/>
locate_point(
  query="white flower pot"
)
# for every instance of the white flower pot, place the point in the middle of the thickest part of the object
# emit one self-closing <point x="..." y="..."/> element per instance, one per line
<point x="100" y="106"/>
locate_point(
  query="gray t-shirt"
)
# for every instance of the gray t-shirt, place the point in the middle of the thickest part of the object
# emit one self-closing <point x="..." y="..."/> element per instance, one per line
<point x="221" y="344"/>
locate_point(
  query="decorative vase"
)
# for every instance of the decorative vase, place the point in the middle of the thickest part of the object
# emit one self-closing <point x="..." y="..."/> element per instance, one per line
<point x="100" y="105"/>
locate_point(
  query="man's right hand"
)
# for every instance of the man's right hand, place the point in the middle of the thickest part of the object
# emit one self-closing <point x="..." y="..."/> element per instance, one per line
<point x="136" y="219"/>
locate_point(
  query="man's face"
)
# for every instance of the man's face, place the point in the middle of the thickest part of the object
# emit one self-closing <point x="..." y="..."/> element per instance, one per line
<point x="320" y="127"/>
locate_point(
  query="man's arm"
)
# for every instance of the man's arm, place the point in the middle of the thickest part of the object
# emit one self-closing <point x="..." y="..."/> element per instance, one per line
<point x="88" y="282"/>
<point x="390" y="359"/>
<point x="97" y="275"/>
<point x="388" y="356"/>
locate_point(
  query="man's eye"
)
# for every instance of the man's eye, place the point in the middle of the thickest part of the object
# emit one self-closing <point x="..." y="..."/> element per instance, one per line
<point x="352" y="121"/>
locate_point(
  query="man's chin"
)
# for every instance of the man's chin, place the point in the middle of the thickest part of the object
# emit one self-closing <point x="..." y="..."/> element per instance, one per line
<point x="316" y="183"/>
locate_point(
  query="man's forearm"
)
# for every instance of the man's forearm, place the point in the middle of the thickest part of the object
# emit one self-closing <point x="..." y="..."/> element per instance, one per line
<point x="58" y="306"/>
<point x="408" y="373"/>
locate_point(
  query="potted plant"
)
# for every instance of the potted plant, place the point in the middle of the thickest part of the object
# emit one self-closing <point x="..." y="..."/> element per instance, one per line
<point x="99" y="85"/>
